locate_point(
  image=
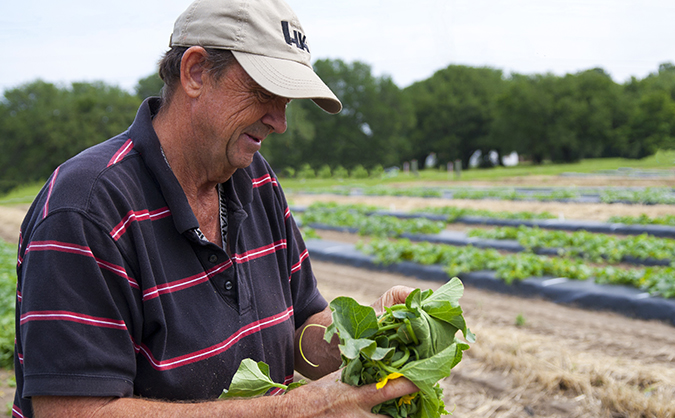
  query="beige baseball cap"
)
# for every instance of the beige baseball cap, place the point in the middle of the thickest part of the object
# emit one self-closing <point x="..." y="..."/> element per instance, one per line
<point x="267" y="40"/>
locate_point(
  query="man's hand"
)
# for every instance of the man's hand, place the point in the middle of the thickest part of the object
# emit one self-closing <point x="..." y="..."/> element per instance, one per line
<point x="328" y="397"/>
<point x="393" y="296"/>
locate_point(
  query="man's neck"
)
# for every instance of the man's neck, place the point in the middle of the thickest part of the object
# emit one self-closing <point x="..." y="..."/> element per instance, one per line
<point x="176" y="139"/>
<point x="172" y="129"/>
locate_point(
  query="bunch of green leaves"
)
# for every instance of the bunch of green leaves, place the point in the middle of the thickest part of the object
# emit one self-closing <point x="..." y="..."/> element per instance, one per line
<point x="253" y="379"/>
<point x="416" y="340"/>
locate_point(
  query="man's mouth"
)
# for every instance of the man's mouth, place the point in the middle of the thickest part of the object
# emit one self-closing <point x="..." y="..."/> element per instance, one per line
<point x="255" y="138"/>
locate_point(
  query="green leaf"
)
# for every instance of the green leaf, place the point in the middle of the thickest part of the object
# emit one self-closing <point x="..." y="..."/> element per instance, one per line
<point x="434" y="335"/>
<point x="414" y="300"/>
<point x="351" y="373"/>
<point x="450" y="292"/>
<point x="251" y="379"/>
<point x="352" y="347"/>
<point x="425" y="373"/>
<point x="443" y="304"/>
<point x="296" y="385"/>
<point x="352" y="319"/>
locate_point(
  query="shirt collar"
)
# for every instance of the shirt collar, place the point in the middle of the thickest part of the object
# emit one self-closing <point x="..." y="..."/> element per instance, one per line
<point x="147" y="144"/>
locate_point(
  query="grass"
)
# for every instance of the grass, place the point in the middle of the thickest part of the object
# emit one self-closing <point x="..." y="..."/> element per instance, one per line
<point x="21" y="195"/>
<point x="664" y="160"/>
<point x="661" y="161"/>
<point x="7" y="302"/>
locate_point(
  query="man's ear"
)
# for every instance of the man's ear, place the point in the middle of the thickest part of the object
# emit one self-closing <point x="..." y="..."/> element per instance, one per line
<point x="193" y="70"/>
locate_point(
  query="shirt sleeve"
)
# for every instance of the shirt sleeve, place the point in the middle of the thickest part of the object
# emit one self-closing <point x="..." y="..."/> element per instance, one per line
<point x="78" y="311"/>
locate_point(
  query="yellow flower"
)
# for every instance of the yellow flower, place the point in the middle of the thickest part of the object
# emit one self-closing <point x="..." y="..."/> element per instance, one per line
<point x="406" y="399"/>
<point x="387" y="378"/>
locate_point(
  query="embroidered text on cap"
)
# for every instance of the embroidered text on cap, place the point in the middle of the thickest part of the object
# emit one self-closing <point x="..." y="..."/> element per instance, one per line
<point x="298" y="38"/>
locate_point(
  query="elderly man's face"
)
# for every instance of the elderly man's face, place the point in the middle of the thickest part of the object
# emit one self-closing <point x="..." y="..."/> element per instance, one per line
<point x="234" y="117"/>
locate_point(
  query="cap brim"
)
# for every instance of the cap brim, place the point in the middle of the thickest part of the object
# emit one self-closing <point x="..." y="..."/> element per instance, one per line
<point x="289" y="79"/>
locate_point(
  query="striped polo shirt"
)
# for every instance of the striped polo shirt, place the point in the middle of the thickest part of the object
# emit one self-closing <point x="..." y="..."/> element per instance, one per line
<point x="118" y="296"/>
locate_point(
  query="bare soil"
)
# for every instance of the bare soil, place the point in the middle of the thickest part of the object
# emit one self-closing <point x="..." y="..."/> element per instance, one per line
<point x="532" y="358"/>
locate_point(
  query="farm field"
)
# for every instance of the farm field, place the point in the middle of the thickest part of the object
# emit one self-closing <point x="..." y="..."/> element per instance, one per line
<point x="532" y="358"/>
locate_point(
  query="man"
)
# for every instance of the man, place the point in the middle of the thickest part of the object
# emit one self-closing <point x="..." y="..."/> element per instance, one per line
<point x="150" y="265"/>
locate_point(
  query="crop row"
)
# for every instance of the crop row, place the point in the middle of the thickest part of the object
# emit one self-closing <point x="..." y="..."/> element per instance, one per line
<point x="649" y="195"/>
<point x="591" y="246"/>
<point x="575" y="250"/>
<point x="509" y="267"/>
<point x="588" y="245"/>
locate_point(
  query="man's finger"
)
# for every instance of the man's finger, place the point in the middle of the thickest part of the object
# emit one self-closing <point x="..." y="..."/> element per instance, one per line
<point x="392" y="390"/>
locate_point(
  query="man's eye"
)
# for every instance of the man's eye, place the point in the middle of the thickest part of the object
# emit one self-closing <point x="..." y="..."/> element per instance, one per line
<point x="264" y="96"/>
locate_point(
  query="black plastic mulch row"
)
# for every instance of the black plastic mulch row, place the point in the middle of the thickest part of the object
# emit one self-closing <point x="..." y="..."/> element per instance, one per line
<point x="460" y="239"/>
<point x="625" y="300"/>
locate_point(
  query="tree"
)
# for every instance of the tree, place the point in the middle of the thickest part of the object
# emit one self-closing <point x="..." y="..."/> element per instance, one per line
<point x="369" y="130"/>
<point x="652" y="120"/>
<point x="454" y="111"/>
<point x="149" y="86"/>
<point x="523" y="114"/>
<point x="43" y="125"/>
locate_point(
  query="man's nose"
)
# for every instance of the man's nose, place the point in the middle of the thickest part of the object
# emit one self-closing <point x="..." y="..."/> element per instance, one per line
<point x="276" y="118"/>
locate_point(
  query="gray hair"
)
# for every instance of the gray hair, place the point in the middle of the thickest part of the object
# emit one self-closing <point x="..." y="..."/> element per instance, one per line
<point x="217" y="61"/>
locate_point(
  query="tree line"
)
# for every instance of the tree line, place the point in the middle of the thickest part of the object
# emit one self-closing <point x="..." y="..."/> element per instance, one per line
<point x="453" y="113"/>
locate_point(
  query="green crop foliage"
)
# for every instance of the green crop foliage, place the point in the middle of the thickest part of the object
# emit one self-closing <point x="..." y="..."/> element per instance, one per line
<point x="643" y="219"/>
<point x="7" y="302"/>
<point x="591" y="246"/>
<point x="453" y="212"/>
<point x="357" y="216"/>
<point x="650" y="195"/>
<point x="512" y="267"/>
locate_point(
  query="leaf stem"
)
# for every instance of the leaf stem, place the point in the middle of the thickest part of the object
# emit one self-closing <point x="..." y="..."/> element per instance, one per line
<point x="300" y="343"/>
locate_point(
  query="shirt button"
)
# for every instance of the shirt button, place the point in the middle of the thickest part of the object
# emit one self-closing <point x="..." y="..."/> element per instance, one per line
<point x="228" y="285"/>
<point x="213" y="258"/>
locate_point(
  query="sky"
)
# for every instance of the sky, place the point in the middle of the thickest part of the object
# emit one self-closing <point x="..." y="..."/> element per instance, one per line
<point x="120" y="42"/>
